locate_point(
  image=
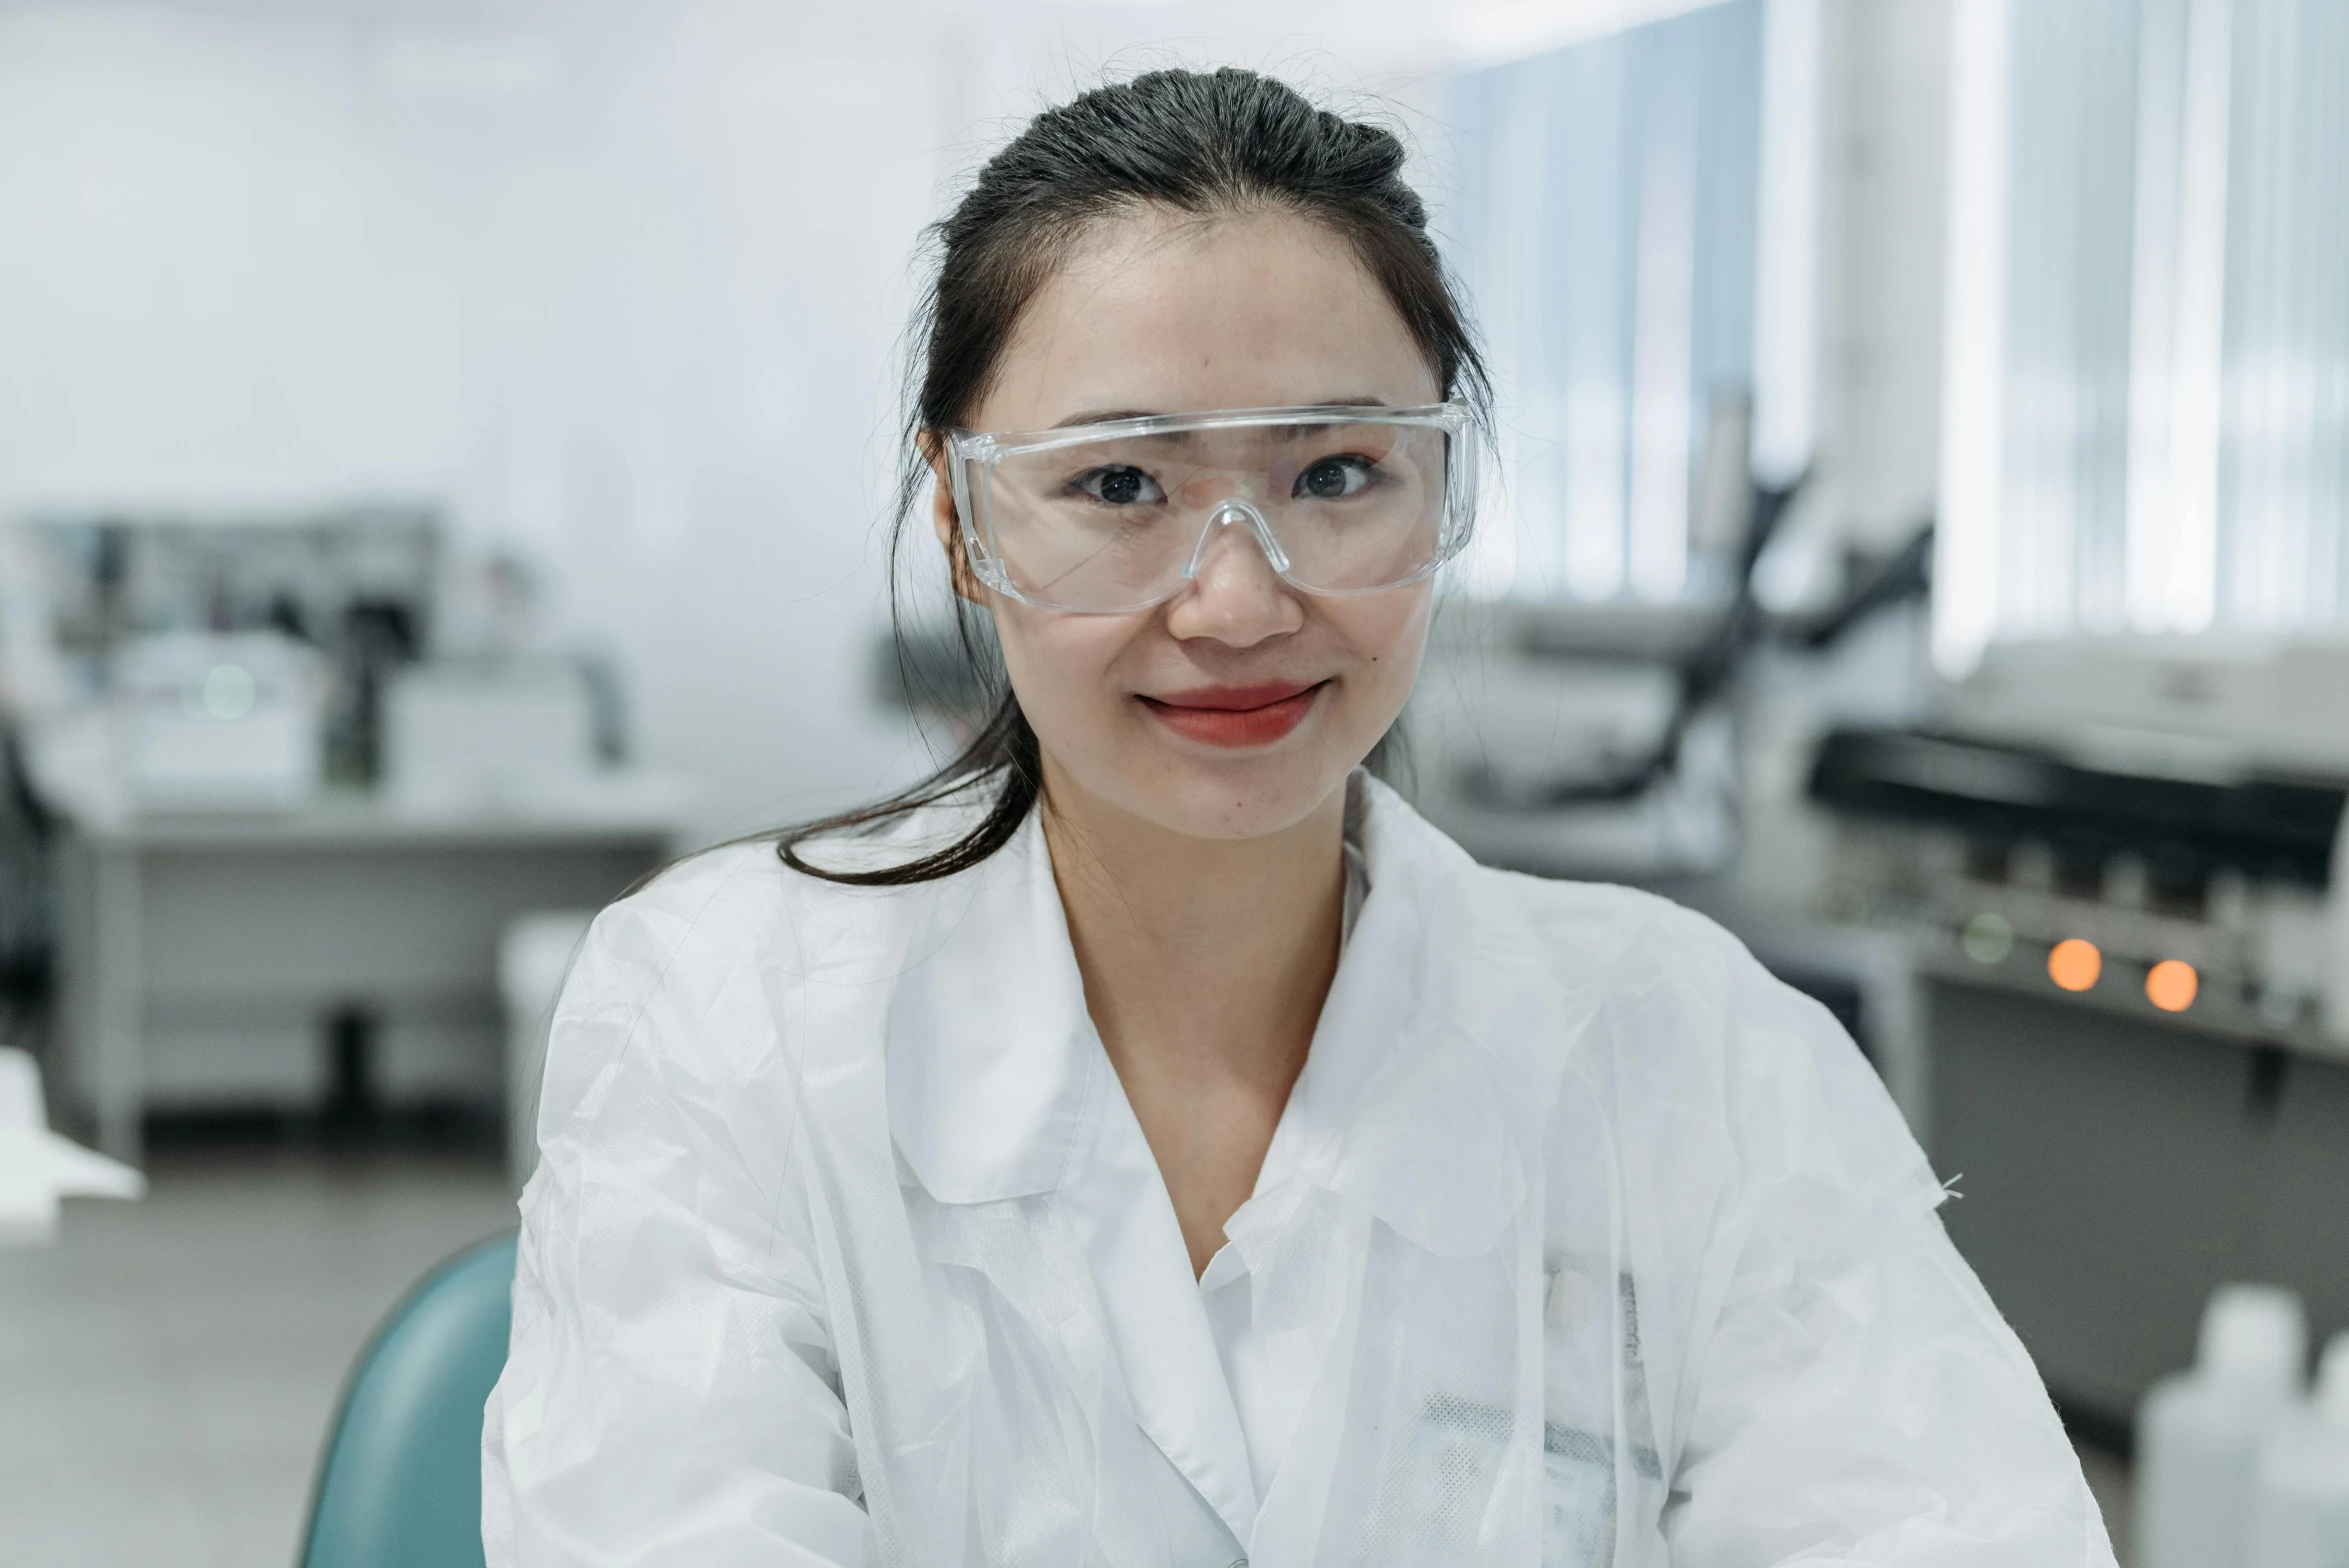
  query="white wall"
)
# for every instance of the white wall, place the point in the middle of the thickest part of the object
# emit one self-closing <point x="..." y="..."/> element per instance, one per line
<point x="620" y="293"/>
<point x="617" y="280"/>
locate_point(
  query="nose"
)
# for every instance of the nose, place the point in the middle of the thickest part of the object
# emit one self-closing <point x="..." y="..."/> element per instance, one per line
<point x="1236" y="595"/>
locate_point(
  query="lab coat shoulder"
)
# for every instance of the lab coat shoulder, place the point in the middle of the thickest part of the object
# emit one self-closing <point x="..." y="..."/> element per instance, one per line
<point x="1689" y="1037"/>
<point x="668" y="1241"/>
<point x="741" y="902"/>
<point x="1636" y="1025"/>
<point x="647" y="960"/>
<point x="1802" y="1320"/>
<point x="665" y="1004"/>
<point x="701" y="967"/>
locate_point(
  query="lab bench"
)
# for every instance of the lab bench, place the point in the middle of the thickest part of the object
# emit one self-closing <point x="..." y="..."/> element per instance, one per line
<point x="212" y="960"/>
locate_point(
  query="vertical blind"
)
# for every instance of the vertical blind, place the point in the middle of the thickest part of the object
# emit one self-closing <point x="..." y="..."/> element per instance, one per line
<point x="1602" y="209"/>
<point x="2163" y="401"/>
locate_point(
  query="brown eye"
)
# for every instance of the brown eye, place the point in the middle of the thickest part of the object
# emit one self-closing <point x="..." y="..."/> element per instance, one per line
<point x="1333" y="479"/>
<point x="1120" y="486"/>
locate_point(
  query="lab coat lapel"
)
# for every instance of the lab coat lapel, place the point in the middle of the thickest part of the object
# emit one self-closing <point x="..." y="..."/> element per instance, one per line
<point x="1158" y="1323"/>
<point x="998" y="1088"/>
<point x="991" y="1087"/>
<point x="1435" y="1129"/>
<point x="1422" y="1112"/>
<point x="992" y="1075"/>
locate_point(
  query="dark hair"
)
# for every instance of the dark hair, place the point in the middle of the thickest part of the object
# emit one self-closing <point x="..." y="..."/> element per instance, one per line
<point x="1205" y="143"/>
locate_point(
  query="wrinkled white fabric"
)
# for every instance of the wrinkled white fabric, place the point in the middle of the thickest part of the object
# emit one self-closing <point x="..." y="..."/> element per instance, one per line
<point x="1246" y="1360"/>
<point x="1583" y="1242"/>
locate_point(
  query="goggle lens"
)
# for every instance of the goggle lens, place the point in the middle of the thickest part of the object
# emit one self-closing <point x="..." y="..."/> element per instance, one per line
<point x="1122" y="521"/>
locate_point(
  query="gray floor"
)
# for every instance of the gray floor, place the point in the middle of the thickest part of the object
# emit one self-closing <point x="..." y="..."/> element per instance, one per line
<point x="168" y="1368"/>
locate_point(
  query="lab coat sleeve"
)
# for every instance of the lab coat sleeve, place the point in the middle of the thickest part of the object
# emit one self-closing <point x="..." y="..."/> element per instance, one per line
<point x="671" y="1396"/>
<point x="1857" y="1398"/>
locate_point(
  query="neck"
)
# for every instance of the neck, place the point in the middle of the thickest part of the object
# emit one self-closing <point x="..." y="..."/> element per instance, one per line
<point x="1205" y="961"/>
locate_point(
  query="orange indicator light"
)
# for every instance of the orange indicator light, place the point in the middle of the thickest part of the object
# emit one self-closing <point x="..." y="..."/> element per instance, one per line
<point x="2074" y="964"/>
<point x="2170" y="985"/>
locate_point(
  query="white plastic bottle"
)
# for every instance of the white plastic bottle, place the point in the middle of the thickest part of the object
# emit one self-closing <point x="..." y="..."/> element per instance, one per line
<point x="2199" y="1434"/>
<point x="2300" y="1506"/>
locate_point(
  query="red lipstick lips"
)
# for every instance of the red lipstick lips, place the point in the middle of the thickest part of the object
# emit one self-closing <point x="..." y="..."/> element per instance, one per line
<point x="1237" y="715"/>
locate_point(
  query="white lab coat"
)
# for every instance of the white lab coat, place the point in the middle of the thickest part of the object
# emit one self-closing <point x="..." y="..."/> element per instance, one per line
<point x="1582" y="1241"/>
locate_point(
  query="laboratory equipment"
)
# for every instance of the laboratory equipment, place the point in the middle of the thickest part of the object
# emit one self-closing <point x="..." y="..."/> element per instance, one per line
<point x="1594" y="739"/>
<point x="286" y="830"/>
<point x="354" y="585"/>
<point x="487" y="732"/>
<point x="221" y="720"/>
<point x="2177" y="808"/>
<point x="2199" y="1434"/>
<point x="2300" y="1494"/>
<point x="2117" y="863"/>
<point x="1558" y="739"/>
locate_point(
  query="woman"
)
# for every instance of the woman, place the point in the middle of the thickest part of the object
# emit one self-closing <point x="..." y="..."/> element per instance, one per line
<point x="1151" y="1143"/>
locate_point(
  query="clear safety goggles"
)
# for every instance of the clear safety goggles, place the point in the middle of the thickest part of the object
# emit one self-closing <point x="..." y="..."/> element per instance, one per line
<point x="1119" y="515"/>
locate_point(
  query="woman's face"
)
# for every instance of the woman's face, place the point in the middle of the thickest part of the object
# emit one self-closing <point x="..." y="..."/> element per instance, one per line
<point x="1235" y="708"/>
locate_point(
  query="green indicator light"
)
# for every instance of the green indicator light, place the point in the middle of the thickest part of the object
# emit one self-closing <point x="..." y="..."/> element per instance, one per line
<point x="1987" y="938"/>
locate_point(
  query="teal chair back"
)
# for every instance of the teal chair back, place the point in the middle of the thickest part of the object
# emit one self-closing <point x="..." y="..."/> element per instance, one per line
<point x="400" y="1486"/>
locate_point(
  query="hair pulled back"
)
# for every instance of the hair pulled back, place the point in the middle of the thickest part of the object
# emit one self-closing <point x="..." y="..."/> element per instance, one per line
<point x="1202" y="143"/>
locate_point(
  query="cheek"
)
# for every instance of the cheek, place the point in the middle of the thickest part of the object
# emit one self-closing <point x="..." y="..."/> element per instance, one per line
<point x="1387" y="634"/>
<point x="1060" y="666"/>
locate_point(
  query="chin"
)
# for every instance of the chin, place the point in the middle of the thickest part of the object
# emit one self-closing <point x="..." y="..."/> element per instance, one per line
<point x="1246" y="797"/>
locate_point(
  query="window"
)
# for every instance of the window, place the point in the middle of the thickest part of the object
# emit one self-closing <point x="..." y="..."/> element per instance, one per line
<point x="2146" y="411"/>
<point x="1606" y="212"/>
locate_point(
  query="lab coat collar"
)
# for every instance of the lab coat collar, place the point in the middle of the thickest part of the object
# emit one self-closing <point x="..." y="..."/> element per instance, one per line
<point x="992" y="1080"/>
<point x="1419" y="1099"/>
<point x="1434" y="1063"/>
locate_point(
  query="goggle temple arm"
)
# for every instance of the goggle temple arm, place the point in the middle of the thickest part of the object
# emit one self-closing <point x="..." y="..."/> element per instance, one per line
<point x="983" y="564"/>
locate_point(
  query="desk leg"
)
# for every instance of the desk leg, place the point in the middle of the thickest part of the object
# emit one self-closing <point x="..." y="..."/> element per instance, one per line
<point x="118" y="983"/>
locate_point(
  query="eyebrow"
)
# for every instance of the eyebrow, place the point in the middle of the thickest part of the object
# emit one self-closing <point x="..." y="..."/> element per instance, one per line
<point x="1112" y="415"/>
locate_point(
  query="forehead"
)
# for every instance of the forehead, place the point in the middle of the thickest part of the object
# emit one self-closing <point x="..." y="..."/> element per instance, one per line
<point x="1157" y="312"/>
